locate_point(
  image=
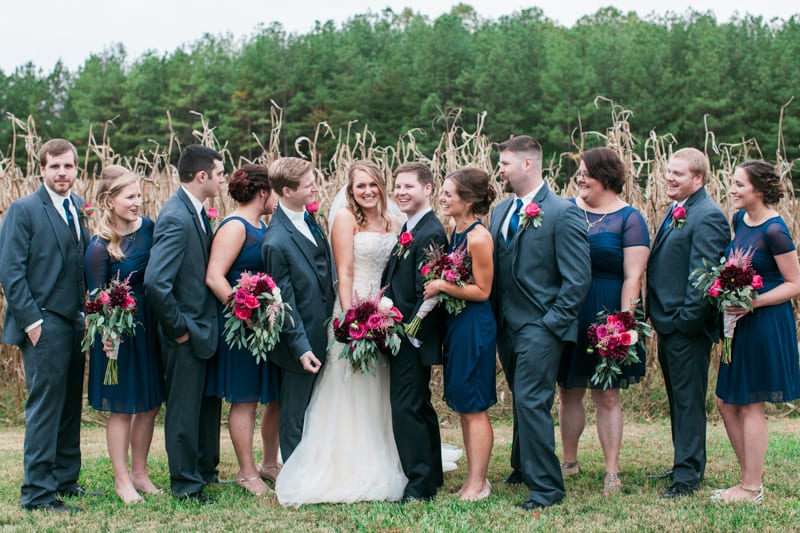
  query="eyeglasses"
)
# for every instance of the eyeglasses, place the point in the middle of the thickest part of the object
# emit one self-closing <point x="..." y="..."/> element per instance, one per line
<point x="583" y="174"/>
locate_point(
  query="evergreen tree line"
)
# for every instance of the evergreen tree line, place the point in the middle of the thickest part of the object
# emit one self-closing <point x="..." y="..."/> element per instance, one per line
<point x="680" y="74"/>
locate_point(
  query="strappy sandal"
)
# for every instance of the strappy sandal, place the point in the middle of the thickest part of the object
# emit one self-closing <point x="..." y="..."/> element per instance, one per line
<point x="243" y="481"/>
<point x="570" y="469"/>
<point x="611" y="483"/>
<point x="757" y="495"/>
<point x="269" y="473"/>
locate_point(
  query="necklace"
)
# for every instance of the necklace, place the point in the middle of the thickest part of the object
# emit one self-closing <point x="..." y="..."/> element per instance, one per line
<point x="590" y="225"/>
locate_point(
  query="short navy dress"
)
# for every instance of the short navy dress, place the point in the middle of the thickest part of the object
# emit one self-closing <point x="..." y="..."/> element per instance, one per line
<point x="470" y="352"/>
<point x="233" y="373"/>
<point x="609" y="235"/>
<point x="141" y="377"/>
<point x="765" y="366"/>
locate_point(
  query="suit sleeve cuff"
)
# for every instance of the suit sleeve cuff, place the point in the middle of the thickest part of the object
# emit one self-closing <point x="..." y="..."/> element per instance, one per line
<point x="34" y="326"/>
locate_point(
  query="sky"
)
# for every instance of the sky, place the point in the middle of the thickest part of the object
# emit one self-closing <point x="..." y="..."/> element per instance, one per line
<point x="44" y="31"/>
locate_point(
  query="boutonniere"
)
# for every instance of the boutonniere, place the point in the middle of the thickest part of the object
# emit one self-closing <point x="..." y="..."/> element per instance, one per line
<point x="212" y="215"/>
<point x="403" y="245"/>
<point x="87" y="211"/>
<point x="531" y="213"/>
<point x="678" y="217"/>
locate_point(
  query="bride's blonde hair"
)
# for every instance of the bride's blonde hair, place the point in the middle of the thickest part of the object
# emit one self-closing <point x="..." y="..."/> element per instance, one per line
<point x="373" y="171"/>
<point x="112" y="180"/>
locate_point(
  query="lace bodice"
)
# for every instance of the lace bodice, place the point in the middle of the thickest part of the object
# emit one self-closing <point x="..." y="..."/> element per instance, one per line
<point x="371" y="252"/>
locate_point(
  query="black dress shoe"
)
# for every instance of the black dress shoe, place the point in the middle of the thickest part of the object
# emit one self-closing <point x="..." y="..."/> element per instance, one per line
<point x="77" y="490"/>
<point x="410" y="498"/>
<point x="198" y="497"/>
<point x="57" y="506"/>
<point x="664" y="475"/>
<point x="677" y="490"/>
<point x="514" y="478"/>
<point x="532" y="505"/>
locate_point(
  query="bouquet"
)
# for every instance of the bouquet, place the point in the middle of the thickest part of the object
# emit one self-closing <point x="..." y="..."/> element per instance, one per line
<point x="455" y="267"/>
<point x="732" y="282"/>
<point x="614" y="338"/>
<point x="372" y="325"/>
<point x="112" y="313"/>
<point x="255" y="314"/>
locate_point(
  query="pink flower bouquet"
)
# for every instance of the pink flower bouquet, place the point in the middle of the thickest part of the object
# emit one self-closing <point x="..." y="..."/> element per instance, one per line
<point x="112" y="313"/>
<point x="614" y="338"/>
<point x="732" y="282"/>
<point x="371" y="326"/>
<point x="255" y="314"/>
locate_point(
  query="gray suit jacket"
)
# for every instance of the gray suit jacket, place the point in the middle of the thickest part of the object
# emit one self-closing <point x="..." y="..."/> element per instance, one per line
<point x="175" y="279"/>
<point x="549" y="267"/>
<point x="672" y="302"/>
<point x="289" y="257"/>
<point x="41" y="264"/>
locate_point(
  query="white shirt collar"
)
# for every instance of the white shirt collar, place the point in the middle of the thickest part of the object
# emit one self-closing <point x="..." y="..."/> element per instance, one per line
<point x="528" y="198"/>
<point x="294" y="216"/>
<point x="198" y="205"/>
<point x="57" y="199"/>
<point x="412" y="222"/>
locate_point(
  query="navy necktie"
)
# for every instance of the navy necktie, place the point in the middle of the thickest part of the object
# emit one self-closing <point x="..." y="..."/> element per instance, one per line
<point x="404" y="228"/>
<point x="668" y="220"/>
<point x="513" y="222"/>
<point x="70" y="219"/>
<point x="206" y="223"/>
<point x="312" y="225"/>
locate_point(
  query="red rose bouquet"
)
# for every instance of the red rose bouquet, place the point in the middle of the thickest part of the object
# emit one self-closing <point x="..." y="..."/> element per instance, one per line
<point x="255" y="314"/>
<point x="614" y="338"/>
<point x="455" y="267"/>
<point x="371" y="326"/>
<point x="732" y="282"/>
<point x="111" y="313"/>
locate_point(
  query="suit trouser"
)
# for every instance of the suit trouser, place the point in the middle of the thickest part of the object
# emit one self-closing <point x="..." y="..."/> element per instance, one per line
<point x="415" y="423"/>
<point x="191" y="421"/>
<point x="296" y="388"/>
<point x="530" y="359"/>
<point x="54" y="375"/>
<point x="684" y="361"/>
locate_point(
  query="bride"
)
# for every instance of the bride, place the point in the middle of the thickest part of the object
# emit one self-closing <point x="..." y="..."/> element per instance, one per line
<point x="347" y="452"/>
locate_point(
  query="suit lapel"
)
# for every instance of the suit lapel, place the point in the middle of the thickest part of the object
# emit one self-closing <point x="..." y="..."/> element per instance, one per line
<point x="61" y="231"/>
<point x="301" y="241"/>
<point x="539" y="199"/>
<point x="503" y="208"/>
<point x="205" y="238"/>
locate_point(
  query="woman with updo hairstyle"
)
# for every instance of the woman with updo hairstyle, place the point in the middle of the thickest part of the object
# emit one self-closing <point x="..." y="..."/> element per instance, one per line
<point x="469" y="342"/>
<point x="764" y="364"/>
<point x="235" y="375"/>
<point x="121" y="249"/>
<point x="619" y="245"/>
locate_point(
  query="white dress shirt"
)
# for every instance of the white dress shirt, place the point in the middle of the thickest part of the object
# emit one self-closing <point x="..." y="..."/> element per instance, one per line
<point x="58" y="202"/>
<point x="198" y="206"/>
<point x="528" y="198"/>
<point x="298" y="220"/>
<point x="413" y="221"/>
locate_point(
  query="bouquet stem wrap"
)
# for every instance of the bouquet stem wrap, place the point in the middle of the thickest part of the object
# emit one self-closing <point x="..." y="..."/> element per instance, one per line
<point x="112" y="368"/>
<point x="413" y="327"/>
<point x="728" y="326"/>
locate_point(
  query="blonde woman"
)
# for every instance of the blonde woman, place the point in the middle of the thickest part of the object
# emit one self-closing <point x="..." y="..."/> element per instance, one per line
<point x="121" y="248"/>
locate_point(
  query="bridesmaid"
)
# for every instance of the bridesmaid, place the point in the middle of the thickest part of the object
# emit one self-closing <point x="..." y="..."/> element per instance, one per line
<point x="235" y="375"/>
<point x="619" y="245"/>
<point x="469" y="344"/>
<point x="764" y="363"/>
<point x="122" y="247"/>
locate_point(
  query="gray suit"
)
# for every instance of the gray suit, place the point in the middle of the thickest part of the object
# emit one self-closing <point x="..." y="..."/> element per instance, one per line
<point x="176" y="289"/>
<point x="41" y="271"/>
<point x="541" y="279"/>
<point x="687" y="325"/>
<point x="305" y="275"/>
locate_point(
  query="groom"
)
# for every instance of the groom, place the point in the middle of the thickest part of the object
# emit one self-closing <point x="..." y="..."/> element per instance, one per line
<point x="542" y="275"/>
<point x="297" y="256"/>
<point x="415" y="424"/>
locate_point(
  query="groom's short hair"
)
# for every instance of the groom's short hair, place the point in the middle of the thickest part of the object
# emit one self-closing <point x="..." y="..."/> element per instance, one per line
<point x="424" y="174"/>
<point x="698" y="162"/>
<point x="286" y="172"/>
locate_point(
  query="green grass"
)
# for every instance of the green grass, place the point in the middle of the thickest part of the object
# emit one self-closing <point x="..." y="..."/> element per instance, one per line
<point x="646" y="448"/>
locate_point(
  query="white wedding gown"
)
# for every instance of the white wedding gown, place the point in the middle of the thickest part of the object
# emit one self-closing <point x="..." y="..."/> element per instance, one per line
<point x="347" y="452"/>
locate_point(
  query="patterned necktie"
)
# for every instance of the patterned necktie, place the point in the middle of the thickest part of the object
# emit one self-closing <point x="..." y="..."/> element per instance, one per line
<point x="206" y="223"/>
<point x="513" y="222"/>
<point x="70" y="219"/>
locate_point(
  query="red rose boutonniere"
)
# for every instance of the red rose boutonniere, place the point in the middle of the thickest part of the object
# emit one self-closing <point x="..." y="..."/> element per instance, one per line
<point x="678" y="217"/>
<point x="87" y="211"/>
<point x="531" y="213"/>
<point x="212" y="214"/>
<point x="313" y="207"/>
<point x="403" y="244"/>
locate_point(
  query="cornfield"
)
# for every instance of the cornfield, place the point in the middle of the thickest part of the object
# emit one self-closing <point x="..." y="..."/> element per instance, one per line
<point x="646" y="162"/>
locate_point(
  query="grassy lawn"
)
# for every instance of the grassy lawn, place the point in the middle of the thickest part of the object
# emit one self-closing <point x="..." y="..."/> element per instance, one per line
<point x="646" y="448"/>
